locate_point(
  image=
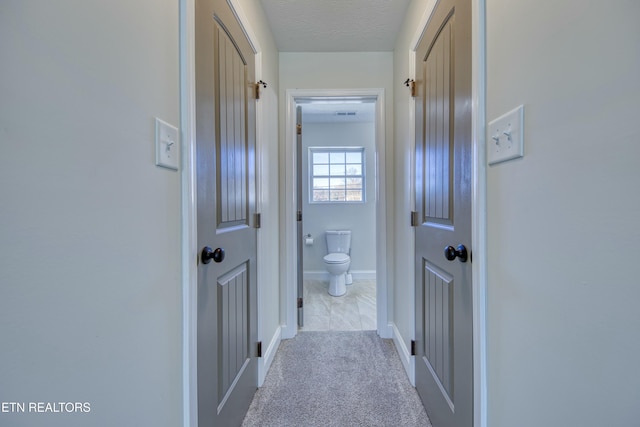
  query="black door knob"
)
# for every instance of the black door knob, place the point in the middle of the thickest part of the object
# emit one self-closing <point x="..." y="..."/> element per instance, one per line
<point x="460" y="252"/>
<point x="209" y="254"/>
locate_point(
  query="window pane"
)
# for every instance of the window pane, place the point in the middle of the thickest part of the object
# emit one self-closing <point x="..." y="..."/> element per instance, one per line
<point x="320" y="157"/>
<point x="354" y="169"/>
<point x="319" y="183"/>
<point x="336" y="184"/>
<point x="337" y="170"/>
<point x="337" y="157"/>
<point x="321" y="170"/>
<point x="354" y="157"/>
<point x="338" y="196"/>
<point x="354" y="183"/>
<point x="320" y="195"/>
<point x="354" y="195"/>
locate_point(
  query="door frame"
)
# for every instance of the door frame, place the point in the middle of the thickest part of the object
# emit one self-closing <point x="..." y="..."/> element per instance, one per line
<point x="478" y="197"/>
<point x="289" y="294"/>
<point x="190" y="251"/>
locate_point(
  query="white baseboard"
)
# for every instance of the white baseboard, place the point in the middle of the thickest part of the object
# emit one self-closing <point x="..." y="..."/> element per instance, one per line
<point x="264" y="363"/>
<point x="386" y="331"/>
<point x="405" y="355"/>
<point x="356" y="274"/>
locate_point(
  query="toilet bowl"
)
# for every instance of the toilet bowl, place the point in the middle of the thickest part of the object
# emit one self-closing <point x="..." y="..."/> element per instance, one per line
<point x="337" y="261"/>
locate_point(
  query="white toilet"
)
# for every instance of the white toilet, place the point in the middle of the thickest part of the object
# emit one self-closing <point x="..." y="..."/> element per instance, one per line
<point x="338" y="260"/>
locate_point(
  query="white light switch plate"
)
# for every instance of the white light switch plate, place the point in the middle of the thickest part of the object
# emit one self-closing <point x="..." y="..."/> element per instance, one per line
<point x="505" y="137"/>
<point x="167" y="145"/>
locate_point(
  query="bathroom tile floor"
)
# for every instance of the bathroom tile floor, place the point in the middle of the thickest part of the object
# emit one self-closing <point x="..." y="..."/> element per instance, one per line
<point x="354" y="311"/>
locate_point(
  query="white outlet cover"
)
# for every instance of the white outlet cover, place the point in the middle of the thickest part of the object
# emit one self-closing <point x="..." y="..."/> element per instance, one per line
<point x="167" y="145"/>
<point x="505" y="137"/>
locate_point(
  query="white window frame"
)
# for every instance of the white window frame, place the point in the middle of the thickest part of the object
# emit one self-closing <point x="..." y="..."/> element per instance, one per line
<point x="329" y="150"/>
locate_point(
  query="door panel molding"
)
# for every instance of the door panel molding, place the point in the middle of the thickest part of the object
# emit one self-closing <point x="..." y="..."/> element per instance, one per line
<point x="437" y="292"/>
<point x="233" y="315"/>
<point x="232" y="190"/>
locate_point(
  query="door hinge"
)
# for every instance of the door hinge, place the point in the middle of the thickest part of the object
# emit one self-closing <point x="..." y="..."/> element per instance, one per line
<point x="259" y="349"/>
<point x="413" y="347"/>
<point x="300" y="303"/>
<point x="298" y="129"/>
<point x="299" y="216"/>
<point x="411" y="84"/>
<point x="415" y="219"/>
<point x="264" y="85"/>
<point x="257" y="218"/>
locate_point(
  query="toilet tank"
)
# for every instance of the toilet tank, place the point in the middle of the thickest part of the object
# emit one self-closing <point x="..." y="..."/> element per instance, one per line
<point x="338" y="241"/>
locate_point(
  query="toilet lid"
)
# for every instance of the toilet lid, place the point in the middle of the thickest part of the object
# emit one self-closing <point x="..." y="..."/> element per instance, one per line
<point x="336" y="258"/>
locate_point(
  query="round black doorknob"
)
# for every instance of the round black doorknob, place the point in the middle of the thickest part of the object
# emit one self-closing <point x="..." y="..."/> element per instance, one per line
<point x="452" y="253"/>
<point x="209" y="254"/>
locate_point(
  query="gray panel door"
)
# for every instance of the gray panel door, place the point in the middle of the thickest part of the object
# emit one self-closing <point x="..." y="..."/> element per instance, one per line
<point x="225" y="164"/>
<point x="444" y="352"/>
<point x="299" y="181"/>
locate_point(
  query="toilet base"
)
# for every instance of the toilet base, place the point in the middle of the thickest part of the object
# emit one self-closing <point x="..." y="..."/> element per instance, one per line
<point x="337" y="286"/>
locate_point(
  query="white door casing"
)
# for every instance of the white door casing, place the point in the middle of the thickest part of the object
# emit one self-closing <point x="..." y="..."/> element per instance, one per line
<point x="289" y="297"/>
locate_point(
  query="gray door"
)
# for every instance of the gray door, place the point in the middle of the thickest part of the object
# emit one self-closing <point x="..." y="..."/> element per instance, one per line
<point x="299" y="181"/>
<point x="225" y="164"/>
<point x="444" y="352"/>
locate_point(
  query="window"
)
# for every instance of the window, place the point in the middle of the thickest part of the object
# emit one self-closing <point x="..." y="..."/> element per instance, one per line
<point x="336" y="175"/>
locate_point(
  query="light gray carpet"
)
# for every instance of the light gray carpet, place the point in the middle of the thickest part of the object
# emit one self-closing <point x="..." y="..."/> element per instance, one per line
<point x="336" y="379"/>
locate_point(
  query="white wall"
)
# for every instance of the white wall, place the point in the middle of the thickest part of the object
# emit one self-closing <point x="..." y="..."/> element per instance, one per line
<point x="404" y="282"/>
<point x="360" y="218"/>
<point x="267" y="159"/>
<point x="90" y="292"/>
<point x="563" y="228"/>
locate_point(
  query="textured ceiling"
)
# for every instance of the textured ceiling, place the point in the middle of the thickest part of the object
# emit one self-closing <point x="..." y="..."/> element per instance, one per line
<point x="335" y="25"/>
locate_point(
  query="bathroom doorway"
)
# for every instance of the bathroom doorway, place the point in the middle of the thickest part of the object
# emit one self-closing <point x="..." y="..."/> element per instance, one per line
<point x="336" y="178"/>
<point x="336" y="185"/>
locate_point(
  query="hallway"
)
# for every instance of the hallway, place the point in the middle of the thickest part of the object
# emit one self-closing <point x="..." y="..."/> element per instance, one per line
<point x="99" y="253"/>
<point x="336" y="378"/>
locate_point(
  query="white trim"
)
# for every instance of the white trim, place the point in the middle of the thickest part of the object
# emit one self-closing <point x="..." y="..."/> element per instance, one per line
<point x="408" y="361"/>
<point x="189" y="240"/>
<point x="264" y="363"/>
<point x="356" y="274"/>
<point x="479" y="198"/>
<point x="188" y="223"/>
<point x="289" y="295"/>
<point x="479" y="213"/>
<point x="238" y="11"/>
<point x="413" y="46"/>
<point x="422" y="26"/>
